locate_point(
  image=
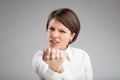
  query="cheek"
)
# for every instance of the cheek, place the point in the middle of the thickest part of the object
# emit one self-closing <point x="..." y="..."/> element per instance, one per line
<point x="48" y="34"/>
<point x="65" y="39"/>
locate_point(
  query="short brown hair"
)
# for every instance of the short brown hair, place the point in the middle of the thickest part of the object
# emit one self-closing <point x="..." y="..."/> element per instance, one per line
<point x="68" y="18"/>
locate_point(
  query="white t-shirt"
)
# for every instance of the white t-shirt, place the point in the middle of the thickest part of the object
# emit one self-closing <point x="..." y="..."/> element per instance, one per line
<point x="77" y="66"/>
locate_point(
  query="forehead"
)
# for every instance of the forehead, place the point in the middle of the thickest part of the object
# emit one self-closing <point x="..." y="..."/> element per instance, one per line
<point x="56" y="24"/>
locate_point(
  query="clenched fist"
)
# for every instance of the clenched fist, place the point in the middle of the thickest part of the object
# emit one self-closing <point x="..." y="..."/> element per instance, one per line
<point x="54" y="58"/>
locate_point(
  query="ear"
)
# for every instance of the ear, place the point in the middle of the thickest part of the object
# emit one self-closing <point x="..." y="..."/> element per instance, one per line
<point x="72" y="36"/>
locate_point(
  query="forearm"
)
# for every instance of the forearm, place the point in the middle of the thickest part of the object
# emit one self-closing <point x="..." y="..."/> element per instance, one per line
<point x="43" y="70"/>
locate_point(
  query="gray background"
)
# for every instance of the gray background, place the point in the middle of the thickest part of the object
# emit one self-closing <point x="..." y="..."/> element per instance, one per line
<point x="22" y="33"/>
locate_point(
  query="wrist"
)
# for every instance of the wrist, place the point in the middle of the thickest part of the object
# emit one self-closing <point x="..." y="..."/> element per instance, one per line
<point x="58" y="70"/>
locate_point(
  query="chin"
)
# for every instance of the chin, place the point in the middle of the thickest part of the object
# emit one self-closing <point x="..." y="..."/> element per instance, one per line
<point x="57" y="47"/>
<point x="54" y="46"/>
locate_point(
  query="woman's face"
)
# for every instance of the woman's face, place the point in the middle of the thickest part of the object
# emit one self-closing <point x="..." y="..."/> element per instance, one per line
<point x="58" y="35"/>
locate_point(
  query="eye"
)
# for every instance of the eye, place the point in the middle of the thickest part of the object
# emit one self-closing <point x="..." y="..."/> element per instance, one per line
<point x="51" y="28"/>
<point x="62" y="31"/>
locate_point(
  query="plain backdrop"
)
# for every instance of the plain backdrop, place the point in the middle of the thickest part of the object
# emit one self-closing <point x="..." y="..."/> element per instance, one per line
<point x="22" y="33"/>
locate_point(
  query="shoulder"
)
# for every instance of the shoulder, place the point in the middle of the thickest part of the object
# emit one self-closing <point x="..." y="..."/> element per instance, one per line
<point x="37" y="56"/>
<point x="38" y="53"/>
<point x="81" y="56"/>
<point x="79" y="52"/>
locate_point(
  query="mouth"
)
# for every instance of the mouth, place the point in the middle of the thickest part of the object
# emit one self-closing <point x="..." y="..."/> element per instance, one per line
<point x="54" y="42"/>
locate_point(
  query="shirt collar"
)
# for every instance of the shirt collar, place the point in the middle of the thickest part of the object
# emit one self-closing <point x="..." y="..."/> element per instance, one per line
<point x="68" y="53"/>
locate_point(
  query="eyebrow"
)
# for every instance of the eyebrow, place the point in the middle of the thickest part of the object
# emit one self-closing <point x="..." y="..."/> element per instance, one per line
<point x="50" y="26"/>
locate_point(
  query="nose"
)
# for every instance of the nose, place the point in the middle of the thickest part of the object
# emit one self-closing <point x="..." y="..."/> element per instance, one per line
<point x="55" y="34"/>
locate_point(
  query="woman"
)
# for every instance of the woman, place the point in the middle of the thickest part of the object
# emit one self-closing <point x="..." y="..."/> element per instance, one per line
<point x="61" y="61"/>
